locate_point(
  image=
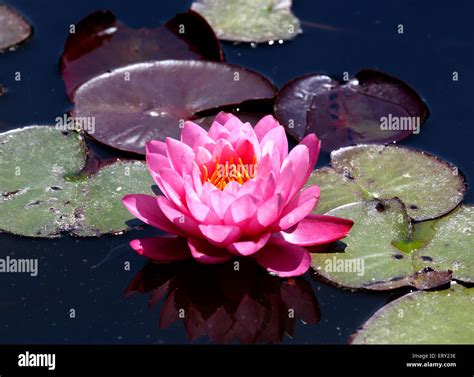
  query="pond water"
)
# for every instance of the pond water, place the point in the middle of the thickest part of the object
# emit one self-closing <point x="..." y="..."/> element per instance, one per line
<point x="88" y="275"/>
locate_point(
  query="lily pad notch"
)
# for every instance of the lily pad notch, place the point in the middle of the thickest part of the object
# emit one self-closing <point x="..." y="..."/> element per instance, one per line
<point x="373" y="107"/>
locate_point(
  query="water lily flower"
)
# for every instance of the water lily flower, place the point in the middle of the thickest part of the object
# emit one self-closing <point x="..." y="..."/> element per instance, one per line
<point x="234" y="191"/>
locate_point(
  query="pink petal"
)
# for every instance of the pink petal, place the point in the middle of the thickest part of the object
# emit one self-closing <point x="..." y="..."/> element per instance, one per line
<point x="245" y="150"/>
<point x="241" y="209"/>
<point x="206" y="253"/>
<point x="194" y="135"/>
<point x="156" y="162"/>
<point x="243" y="132"/>
<point x="232" y="124"/>
<point x="269" y="161"/>
<point x="299" y="207"/>
<point x="317" y="230"/>
<point x="171" y="184"/>
<point x="223" y="117"/>
<point x="286" y="180"/>
<point x="162" y="249"/>
<point x="180" y="155"/>
<point x="145" y="207"/>
<point x="246" y="248"/>
<point x="156" y="146"/>
<point x="220" y="235"/>
<point x="278" y="135"/>
<point x="304" y="157"/>
<point x="268" y="186"/>
<point x="217" y="131"/>
<point x="183" y="222"/>
<point x="199" y="210"/>
<point x="219" y="201"/>
<point x="269" y="211"/>
<point x="283" y="258"/>
<point x="203" y="157"/>
<point x="264" y="125"/>
<point x="223" y="151"/>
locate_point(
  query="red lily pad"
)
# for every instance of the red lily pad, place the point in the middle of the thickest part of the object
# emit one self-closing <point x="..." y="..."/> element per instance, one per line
<point x="101" y="43"/>
<point x="14" y="29"/>
<point x="371" y="108"/>
<point x="147" y="101"/>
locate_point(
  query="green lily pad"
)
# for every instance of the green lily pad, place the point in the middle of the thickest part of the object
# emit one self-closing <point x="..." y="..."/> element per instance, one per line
<point x="440" y="317"/>
<point x="249" y="20"/>
<point x="44" y="190"/>
<point x="451" y="246"/>
<point x="336" y="189"/>
<point x="428" y="186"/>
<point x="372" y="257"/>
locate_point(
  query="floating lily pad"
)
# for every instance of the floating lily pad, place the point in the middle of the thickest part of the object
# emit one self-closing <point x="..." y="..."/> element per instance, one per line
<point x="14" y="29"/>
<point x="250" y="20"/>
<point x="384" y="251"/>
<point x="146" y="101"/>
<point x="440" y="317"/>
<point x="429" y="186"/>
<point x="372" y="108"/>
<point x="450" y="245"/>
<point x="101" y="43"/>
<point x="336" y="189"/>
<point x="44" y="190"/>
<point x="369" y="259"/>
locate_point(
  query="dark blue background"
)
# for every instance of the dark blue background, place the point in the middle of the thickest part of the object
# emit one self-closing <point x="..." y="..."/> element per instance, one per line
<point x="437" y="40"/>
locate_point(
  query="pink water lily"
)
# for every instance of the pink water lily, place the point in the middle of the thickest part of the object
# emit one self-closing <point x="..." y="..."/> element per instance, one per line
<point x="233" y="191"/>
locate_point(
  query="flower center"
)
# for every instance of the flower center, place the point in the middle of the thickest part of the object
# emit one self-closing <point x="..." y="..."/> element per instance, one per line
<point x="223" y="173"/>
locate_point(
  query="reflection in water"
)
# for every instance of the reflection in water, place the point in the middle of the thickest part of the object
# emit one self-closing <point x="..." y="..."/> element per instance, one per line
<point x="234" y="302"/>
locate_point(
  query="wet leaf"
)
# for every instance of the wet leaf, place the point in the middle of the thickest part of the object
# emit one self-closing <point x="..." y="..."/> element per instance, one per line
<point x="14" y="29"/>
<point x="372" y="108"/>
<point x="450" y="245"/>
<point x="428" y="186"/>
<point x="369" y="259"/>
<point x="101" y="43"/>
<point x="146" y="101"/>
<point x="250" y="20"/>
<point x="385" y="251"/>
<point x="336" y="189"/>
<point x="43" y="192"/>
<point x="440" y="317"/>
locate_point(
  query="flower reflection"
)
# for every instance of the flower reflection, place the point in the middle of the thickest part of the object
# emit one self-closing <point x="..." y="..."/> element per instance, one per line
<point x="233" y="302"/>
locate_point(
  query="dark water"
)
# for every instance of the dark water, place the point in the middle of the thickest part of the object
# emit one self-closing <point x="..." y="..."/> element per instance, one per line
<point x="76" y="273"/>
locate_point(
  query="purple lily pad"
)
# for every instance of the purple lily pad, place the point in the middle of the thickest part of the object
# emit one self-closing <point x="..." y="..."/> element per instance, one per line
<point x="101" y="43"/>
<point x="14" y="29"/>
<point x="372" y="108"/>
<point x="147" y="101"/>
